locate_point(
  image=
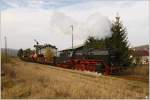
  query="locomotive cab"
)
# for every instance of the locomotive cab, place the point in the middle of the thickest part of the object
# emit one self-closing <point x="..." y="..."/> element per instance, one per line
<point x="100" y="68"/>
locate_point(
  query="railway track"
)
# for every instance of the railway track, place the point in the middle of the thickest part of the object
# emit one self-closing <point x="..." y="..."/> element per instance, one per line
<point x="84" y="73"/>
<point x="94" y="74"/>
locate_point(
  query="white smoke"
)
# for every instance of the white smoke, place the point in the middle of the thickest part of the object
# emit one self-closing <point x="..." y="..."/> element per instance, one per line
<point x="60" y="23"/>
<point x="95" y="25"/>
<point x="98" y="26"/>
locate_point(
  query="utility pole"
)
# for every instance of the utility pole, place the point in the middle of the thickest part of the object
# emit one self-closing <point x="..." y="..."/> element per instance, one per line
<point x="0" y="23"/>
<point x="117" y="17"/>
<point x="5" y="49"/>
<point x="72" y="36"/>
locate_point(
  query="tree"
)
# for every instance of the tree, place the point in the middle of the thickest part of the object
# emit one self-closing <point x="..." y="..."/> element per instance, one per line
<point x="118" y="41"/>
<point x="20" y="53"/>
<point x="27" y="52"/>
<point x="94" y="43"/>
<point x="117" y="44"/>
<point x="49" y="55"/>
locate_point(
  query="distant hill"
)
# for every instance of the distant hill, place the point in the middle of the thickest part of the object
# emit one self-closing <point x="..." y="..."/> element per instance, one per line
<point x="10" y="52"/>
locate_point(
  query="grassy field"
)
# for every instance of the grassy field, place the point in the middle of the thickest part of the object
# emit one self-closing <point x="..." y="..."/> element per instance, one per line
<point x="30" y="80"/>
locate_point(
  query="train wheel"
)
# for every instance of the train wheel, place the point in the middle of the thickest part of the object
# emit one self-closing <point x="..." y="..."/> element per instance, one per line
<point x="86" y="68"/>
<point x="83" y="68"/>
<point x="77" y="67"/>
<point x="92" y="68"/>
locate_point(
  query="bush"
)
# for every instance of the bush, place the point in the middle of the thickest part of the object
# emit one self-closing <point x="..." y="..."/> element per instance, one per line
<point x="20" y="53"/>
<point x="49" y="55"/>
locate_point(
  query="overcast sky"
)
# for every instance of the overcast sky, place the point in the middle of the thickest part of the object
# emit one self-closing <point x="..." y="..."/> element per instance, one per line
<point x="49" y="21"/>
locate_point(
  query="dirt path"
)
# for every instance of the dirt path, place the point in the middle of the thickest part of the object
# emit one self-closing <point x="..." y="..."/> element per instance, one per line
<point x="134" y="78"/>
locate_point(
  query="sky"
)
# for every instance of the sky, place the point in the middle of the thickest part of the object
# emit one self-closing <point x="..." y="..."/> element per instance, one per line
<point x="49" y="21"/>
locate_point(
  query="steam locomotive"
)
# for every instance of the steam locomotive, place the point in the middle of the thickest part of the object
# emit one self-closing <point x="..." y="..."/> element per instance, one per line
<point x="94" y="60"/>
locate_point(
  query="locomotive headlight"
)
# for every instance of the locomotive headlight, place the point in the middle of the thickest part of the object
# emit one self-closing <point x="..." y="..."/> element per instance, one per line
<point x="131" y="56"/>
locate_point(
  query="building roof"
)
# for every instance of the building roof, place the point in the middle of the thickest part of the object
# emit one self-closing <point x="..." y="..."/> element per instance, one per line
<point x="74" y="47"/>
<point x="44" y="46"/>
<point x="142" y="52"/>
<point x="142" y="47"/>
<point x="79" y="47"/>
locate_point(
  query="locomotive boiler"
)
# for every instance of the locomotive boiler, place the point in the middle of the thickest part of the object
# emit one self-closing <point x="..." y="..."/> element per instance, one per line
<point x="95" y="60"/>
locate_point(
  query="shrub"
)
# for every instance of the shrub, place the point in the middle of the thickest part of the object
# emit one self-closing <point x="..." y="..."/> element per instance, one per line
<point x="49" y="55"/>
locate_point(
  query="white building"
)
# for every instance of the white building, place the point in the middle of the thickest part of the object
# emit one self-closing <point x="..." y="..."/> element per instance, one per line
<point x="41" y="49"/>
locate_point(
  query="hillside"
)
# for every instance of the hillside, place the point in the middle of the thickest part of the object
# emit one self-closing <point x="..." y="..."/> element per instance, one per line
<point x="31" y="80"/>
<point x="11" y="52"/>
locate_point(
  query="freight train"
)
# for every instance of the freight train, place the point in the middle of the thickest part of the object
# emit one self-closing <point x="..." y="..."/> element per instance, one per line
<point x="94" y="60"/>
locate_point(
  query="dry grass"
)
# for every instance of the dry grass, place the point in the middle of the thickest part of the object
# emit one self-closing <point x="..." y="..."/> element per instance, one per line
<point x="137" y="73"/>
<point x="139" y="70"/>
<point x="39" y="81"/>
